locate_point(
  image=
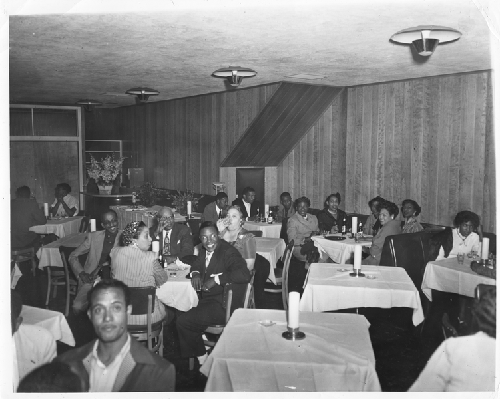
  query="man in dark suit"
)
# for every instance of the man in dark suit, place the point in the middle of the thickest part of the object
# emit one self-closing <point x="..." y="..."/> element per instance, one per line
<point x="116" y="362"/>
<point x="217" y="264"/>
<point x="215" y="210"/>
<point x="249" y="206"/>
<point x="175" y="239"/>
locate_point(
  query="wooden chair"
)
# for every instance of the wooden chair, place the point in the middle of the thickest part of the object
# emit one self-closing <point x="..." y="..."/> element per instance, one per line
<point x="24" y="255"/>
<point x="447" y="327"/>
<point x="61" y="276"/>
<point x="84" y="225"/>
<point x="284" y="284"/>
<point x="279" y="272"/>
<point x="143" y="302"/>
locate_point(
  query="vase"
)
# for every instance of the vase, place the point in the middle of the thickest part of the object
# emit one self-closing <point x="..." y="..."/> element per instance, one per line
<point x="105" y="189"/>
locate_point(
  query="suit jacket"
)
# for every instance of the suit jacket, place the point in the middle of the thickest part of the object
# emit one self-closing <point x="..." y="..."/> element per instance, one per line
<point x="392" y="227"/>
<point x="254" y="207"/>
<point x="93" y="246"/>
<point x="24" y="213"/>
<point x="227" y="263"/>
<point x="181" y="240"/>
<point x="210" y="213"/>
<point x="141" y="370"/>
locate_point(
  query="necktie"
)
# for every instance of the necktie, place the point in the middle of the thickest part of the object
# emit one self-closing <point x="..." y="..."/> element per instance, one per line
<point x="207" y="259"/>
<point x="220" y="214"/>
<point x="166" y="244"/>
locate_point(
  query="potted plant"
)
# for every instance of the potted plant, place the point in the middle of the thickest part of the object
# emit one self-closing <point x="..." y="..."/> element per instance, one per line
<point x="148" y="194"/>
<point x="179" y="201"/>
<point x="105" y="172"/>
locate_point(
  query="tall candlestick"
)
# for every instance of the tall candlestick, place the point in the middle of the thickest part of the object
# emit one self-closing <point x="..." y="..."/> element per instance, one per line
<point x="486" y="248"/>
<point x="46" y="209"/>
<point x="354" y="225"/>
<point x="357" y="257"/>
<point x="92" y="225"/>
<point x="293" y="309"/>
<point x="189" y="207"/>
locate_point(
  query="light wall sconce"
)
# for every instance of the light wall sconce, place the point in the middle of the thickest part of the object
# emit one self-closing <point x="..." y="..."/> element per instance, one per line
<point x="88" y="105"/>
<point x="234" y="74"/>
<point x="142" y="93"/>
<point x="425" y="38"/>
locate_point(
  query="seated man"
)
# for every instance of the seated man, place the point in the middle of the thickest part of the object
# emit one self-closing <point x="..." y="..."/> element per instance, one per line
<point x="249" y="206"/>
<point x="64" y="204"/>
<point x="34" y="345"/>
<point x="98" y="245"/>
<point x="175" y="239"/>
<point x="116" y="362"/>
<point x="25" y="213"/>
<point x="217" y="264"/>
<point x="215" y="210"/>
<point x="285" y="208"/>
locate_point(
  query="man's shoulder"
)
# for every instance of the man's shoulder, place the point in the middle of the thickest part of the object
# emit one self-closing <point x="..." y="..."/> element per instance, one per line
<point x="237" y="201"/>
<point x="77" y="354"/>
<point x="142" y="355"/>
<point x="181" y="228"/>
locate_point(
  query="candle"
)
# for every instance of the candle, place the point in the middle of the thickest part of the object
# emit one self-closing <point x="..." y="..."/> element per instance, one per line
<point x="486" y="248"/>
<point x="354" y="225"/>
<point x="46" y="209"/>
<point x="357" y="257"/>
<point x="266" y="209"/>
<point x="155" y="246"/>
<point x="293" y="309"/>
<point x="92" y="224"/>
<point x="189" y="207"/>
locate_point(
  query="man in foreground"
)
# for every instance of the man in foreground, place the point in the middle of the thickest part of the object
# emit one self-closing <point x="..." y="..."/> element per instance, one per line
<point x="116" y="362"/>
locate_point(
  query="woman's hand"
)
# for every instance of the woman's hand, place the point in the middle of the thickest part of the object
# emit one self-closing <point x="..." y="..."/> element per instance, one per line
<point x="334" y="229"/>
<point x="221" y="226"/>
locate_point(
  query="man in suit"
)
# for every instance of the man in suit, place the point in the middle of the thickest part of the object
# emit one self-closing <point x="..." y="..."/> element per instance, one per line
<point x="217" y="264"/>
<point x="115" y="361"/>
<point x="215" y="210"/>
<point x="175" y="239"/>
<point x="249" y="206"/>
<point x="97" y="245"/>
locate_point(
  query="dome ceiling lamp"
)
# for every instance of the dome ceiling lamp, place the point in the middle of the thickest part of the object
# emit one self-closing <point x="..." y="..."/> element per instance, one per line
<point x="425" y="38"/>
<point x="88" y="105"/>
<point x="234" y="74"/>
<point x="142" y="93"/>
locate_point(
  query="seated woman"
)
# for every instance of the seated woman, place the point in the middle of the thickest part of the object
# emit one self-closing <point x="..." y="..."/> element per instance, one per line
<point x="372" y="224"/>
<point x="410" y="210"/>
<point x="231" y="230"/>
<point x="301" y="226"/>
<point x="461" y="239"/>
<point x="331" y="218"/>
<point x="390" y="226"/>
<point x="134" y="265"/>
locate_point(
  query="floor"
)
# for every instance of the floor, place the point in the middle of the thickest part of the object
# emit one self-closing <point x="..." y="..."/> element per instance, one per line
<point x="401" y="351"/>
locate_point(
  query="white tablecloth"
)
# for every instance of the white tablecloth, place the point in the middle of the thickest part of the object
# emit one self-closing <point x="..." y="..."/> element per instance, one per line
<point x="272" y="249"/>
<point x="268" y="230"/>
<point x="449" y="276"/>
<point x="178" y="292"/>
<point x="126" y="215"/>
<point x="336" y="355"/>
<point x="49" y="254"/>
<point x="328" y="288"/>
<point x="51" y="320"/>
<point x="338" y="251"/>
<point x="60" y="227"/>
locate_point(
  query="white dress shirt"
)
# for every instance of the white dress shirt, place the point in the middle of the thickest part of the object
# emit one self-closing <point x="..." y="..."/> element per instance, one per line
<point x="461" y="244"/>
<point x="247" y="207"/>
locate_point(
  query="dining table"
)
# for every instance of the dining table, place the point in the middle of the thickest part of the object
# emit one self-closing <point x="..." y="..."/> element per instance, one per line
<point x="330" y="287"/>
<point x="270" y="230"/>
<point x="272" y="249"/>
<point x="49" y="255"/>
<point x="129" y="213"/>
<point x="60" y="226"/>
<point x="448" y="275"/>
<point x="53" y="321"/>
<point x="178" y="292"/>
<point x="339" y="251"/>
<point x="252" y="356"/>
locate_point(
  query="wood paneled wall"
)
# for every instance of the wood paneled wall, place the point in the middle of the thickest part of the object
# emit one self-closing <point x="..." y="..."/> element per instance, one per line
<point x="428" y="139"/>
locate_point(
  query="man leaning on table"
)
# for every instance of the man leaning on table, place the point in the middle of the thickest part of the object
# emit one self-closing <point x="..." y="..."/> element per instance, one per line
<point x="98" y="245"/>
<point x="115" y="361"/>
<point x="64" y="204"/>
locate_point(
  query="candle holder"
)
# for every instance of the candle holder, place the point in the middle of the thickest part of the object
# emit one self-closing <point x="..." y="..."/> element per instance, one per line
<point x="293" y="334"/>
<point x="357" y="273"/>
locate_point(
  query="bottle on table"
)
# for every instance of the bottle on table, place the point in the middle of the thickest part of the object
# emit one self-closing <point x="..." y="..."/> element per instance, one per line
<point x="344" y="227"/>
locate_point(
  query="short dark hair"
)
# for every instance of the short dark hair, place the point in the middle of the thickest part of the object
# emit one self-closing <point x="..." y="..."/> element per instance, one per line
<point x="247" y="190"/>
<point x="391" y="207"/>
<point x="414" y="204"/>
<point x="484" y="312"/>
<point x="52" y="377"/>
<point x="131" y="232"/>
<point x="208" y="224"/>
<point x="302" y="199"/>
<point x="466" y="216"/>
<point x="108" y="211"/>
<point x="65" y="186"/>
<point x="220" y="195"/>
<point x="378" y="199"/>
<point x="105" y="284"/>
<point x="23" y="192"/>
<point x="285" y="194"/>
<point x="336" y="195"/>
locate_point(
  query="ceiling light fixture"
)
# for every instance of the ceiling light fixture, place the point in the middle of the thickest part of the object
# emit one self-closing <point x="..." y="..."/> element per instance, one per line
<point x="425" y="38"/>
<point x="88" y="105"/>
<point x="142" y="93"/>
<point x="234" y="74"/>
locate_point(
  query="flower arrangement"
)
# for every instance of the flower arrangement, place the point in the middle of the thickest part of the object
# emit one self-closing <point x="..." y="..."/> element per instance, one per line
<point x="105" y="171"/>
<point x="148" y="194"/>
<point x="179" y="201"/>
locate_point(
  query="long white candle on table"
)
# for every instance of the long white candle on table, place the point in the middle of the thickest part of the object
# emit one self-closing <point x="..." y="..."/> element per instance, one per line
<point x="155" y="246"/>
<point x="354" y="225"/>
<point x="46" y="209"/>
<point x="293" y="309"/>
<point x="92" y="225"/>
<point x="189" y="207"/>
<point x="358" y="250"/>
<point x="486" y="248"/>
<point x="266" y="209"/>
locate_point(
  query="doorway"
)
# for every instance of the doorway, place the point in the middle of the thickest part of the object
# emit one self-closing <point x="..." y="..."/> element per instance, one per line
<point x="251" y="177"/>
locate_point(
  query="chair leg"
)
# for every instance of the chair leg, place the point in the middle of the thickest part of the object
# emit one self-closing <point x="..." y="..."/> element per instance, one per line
<point x="49" y="283"/>
<point x="33" y="266"/>
<point x="66" y="311"/>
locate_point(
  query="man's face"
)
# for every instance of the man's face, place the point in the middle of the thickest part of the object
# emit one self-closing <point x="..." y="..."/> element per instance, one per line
<point x="60" y="192"/>
<point x="249" y="197"/>
<point x="109" y="313"/>
<point x="166" y="218"/>
<point x="221" y="203"/>
<point x="286" y="201"/>
<point x="110" y="223"/>
<point x="209" y="238"/>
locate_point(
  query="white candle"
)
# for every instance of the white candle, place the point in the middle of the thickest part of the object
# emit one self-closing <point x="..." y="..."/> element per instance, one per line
<point x="354" y="225"/>
<point x="189" y="207"/>
<point x="486" y="248"/>
<point x="266" y="209"/>
<point x="358" y="250"/>
<point x="293" y="309"/>
<point x="92" y="225"/>
<point x="155" y="246"/>
<point x="46" y="209"/>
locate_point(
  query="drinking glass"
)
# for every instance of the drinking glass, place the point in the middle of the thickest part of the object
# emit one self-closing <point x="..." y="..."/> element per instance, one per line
<point x="460" y="258"/>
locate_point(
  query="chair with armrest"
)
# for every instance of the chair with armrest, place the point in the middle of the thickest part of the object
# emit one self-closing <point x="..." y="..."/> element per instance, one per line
<point x="278" y="272"/>
<point x="84" y="225"/>
<point x="19" y="255"/>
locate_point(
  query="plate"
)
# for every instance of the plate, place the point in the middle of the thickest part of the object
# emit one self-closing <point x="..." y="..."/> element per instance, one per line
<point x="267" y="323"/>
<point x="370" y="277"/>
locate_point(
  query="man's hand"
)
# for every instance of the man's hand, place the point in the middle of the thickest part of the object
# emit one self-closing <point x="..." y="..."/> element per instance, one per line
<point x="209" y="284"/>
<point x="196" y="281"/>
<point x="86" y="278"/>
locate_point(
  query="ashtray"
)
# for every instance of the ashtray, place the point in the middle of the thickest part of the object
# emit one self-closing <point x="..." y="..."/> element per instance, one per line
<point x="267" y="323"/>
<point x="370" y="277"/>
<point x="174" y="274"/>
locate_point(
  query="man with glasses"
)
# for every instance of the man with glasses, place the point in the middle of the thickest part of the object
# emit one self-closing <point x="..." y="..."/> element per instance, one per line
<point x="175" y="239"/>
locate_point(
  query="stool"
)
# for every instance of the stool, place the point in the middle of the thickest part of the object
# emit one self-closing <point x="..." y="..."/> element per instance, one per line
<point x="23" y="255"/>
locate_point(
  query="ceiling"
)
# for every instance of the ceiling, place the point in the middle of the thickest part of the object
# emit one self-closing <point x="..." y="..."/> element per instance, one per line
<point x="61" y="52"/>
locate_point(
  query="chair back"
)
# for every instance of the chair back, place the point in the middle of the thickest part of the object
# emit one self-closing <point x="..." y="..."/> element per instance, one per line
<point x="286" y="267"/>
<point x="65" y="252"/>
<point x="256" y="233"/>
<point x="194" y="225"/>
<point x="84" y="225"/>
<point x="482" y="289"/>
<point x="493" y="242"/>
<point x="249" y="302"/>
<point x="284" y="230"/>
<point x="139" y="299"/>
